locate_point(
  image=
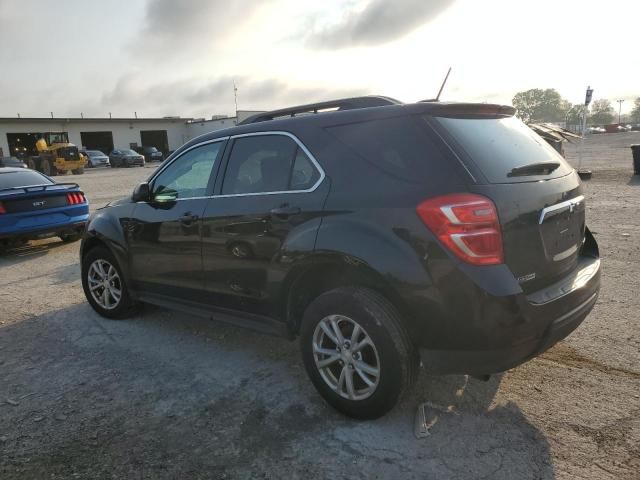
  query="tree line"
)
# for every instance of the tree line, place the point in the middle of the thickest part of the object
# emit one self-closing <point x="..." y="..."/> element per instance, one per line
<point x="547" y="105"/>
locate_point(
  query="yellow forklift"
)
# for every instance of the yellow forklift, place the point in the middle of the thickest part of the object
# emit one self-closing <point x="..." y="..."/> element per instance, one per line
<point x="57" y="156"/>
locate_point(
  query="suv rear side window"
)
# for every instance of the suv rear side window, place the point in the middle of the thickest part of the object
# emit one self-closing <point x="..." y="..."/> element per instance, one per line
<point x="498" y="145"/>
<point x="400" y="146"/>
<point x="268" y="163"/>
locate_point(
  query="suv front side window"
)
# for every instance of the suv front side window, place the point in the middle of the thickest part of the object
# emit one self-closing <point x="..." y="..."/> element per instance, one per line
<point x="267" y="164"/>
<point x="188" y="176"/>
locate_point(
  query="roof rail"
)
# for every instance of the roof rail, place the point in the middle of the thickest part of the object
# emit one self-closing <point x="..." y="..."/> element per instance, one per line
<point x="341" y="104"/>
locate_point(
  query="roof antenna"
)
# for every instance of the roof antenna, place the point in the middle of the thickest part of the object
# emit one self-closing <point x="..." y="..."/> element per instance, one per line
<point x="443" y="84"/>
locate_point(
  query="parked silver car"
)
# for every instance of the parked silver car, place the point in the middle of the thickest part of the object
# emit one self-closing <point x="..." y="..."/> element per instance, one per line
<point x="96" y="158"/>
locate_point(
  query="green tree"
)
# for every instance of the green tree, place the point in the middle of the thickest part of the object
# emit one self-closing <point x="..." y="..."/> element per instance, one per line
<point x="635" y="113"/>
<point x="538" y="105"/>
<point x="602" y="112"/>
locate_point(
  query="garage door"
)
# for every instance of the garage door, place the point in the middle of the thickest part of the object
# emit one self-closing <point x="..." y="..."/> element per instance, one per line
<point x="102" y="141"/>
<point x="155" y="138"/>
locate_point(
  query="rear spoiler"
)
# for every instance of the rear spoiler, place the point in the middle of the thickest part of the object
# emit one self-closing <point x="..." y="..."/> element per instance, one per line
<point x="39" y="188"/>
<point x="469" y="110"/>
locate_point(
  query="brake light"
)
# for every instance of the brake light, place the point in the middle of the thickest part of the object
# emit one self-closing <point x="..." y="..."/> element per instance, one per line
<point x="2" y="209"/>
<point x="467" y="225"/>
<point x="76" y="198"/>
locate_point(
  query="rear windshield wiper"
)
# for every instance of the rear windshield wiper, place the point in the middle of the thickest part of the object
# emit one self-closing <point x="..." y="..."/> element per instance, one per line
<point x="542" y="168"/>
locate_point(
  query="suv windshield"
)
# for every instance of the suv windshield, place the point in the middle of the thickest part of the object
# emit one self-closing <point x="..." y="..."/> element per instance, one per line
<point x="505" y="149"/>
<point x="150" y="149"/>
<point x="128" y="152"/>
<point x="94" y="153"/>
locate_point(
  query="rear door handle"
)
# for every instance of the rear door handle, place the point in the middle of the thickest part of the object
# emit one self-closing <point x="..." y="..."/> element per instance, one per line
<point x="284" y="211"/>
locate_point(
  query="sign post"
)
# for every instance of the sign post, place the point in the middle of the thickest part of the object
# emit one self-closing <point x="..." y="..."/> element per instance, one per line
<point x="584" y="174"/>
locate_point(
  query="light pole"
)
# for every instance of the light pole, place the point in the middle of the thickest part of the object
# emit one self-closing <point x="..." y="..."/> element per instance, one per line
<point x="619" y="109"/>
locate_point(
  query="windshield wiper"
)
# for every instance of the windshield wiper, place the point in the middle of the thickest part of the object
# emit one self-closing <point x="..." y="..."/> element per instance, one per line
<point x="541" y="168"/>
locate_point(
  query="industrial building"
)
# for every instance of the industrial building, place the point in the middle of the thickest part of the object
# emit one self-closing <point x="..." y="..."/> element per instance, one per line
<point x="18" y="135"/>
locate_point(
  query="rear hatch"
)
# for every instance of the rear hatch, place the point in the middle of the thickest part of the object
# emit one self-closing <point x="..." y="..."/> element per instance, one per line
<point x="538" y="195"/>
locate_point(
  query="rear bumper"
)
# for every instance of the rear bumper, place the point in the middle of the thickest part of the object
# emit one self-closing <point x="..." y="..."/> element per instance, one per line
<point x="481" y="362"/>
<point x="70" y="165"/>
<point x="508" y="331"/>
<point x="46" y="232"/>
<point x="45" y="223"/>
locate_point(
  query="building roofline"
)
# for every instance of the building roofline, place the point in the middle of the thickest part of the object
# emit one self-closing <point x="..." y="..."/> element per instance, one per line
<point x="91" y="119"/>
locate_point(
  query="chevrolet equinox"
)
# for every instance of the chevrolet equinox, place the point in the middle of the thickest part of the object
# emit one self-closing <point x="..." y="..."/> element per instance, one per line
<point x="381" y="234"/>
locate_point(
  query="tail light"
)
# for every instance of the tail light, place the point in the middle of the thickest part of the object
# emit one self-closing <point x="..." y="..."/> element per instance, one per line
<point x="76" y="198"/>
<point x="467" y="225"/>
<point x="2" y="209"/>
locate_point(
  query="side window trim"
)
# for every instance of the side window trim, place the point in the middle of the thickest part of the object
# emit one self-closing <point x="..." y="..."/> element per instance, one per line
<point x="299" y="144"/>
<point x="214" y="172"/>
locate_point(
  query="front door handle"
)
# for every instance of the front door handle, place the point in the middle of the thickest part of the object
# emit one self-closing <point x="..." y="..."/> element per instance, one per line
<point x="284" y="211"/>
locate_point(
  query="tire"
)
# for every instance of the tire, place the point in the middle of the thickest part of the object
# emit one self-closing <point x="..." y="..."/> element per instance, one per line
<point x="126" y="307"/>
<point x="78" y="171"/>
<point x="47" y="168"/>
<point x="112" y="163"/>
<point x="392" y="351"/>
<point x="31" y="163"/>
<point x="70" y="237"/>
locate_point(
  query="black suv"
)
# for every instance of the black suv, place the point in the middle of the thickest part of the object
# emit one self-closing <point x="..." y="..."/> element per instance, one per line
<point x="150" y="154"/>
<point x="377" y="232"/>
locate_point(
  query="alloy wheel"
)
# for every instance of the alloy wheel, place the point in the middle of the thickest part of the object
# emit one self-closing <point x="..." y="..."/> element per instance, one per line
<point x="346" y="357"/>
<point x="104" y="284"/>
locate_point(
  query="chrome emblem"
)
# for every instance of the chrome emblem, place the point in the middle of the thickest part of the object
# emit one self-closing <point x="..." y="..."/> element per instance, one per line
<point x="526" y="278"/>
<point x="39" y="204"/>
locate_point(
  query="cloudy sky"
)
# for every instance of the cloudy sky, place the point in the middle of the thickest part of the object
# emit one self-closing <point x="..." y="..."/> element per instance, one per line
<point x="170" y="57"/>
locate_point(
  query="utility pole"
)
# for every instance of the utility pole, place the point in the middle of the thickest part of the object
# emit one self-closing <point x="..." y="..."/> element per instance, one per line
<point x="620" y="102"/>
<point x="235" y="97"/>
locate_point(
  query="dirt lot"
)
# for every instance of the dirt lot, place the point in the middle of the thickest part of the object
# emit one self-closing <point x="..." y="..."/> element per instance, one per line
<point x="165" y="395"/>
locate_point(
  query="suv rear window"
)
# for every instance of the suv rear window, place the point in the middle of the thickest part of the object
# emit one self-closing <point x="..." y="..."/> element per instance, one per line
<point x="498" y="145"/>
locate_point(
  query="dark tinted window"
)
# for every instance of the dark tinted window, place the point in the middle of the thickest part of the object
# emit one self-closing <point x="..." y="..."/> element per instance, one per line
<point x="497" y="146"/>
<point x="268" y="163"/>
<point x="399" y="146"/>
<point x="188" y="176"/>
<point x="304" y="174"/>
<point x="22" y="178"/>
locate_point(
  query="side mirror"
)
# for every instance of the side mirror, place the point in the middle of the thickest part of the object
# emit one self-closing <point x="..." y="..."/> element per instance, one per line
<point x="142" y="193"/>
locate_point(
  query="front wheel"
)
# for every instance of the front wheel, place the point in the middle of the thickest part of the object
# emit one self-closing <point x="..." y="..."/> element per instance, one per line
<point x="357" y="352"/>
<point x="104" y="285"/>
<point x="78" y="171"/>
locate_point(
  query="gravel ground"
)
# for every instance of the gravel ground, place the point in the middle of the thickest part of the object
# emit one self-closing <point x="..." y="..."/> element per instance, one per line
<point x="165" y="395"/>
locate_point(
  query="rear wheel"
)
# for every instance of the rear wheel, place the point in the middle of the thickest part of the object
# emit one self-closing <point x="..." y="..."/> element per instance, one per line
<point x="356" y="351"/>
<point x="104" y="285"/>
<point x="78" y="171"/>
